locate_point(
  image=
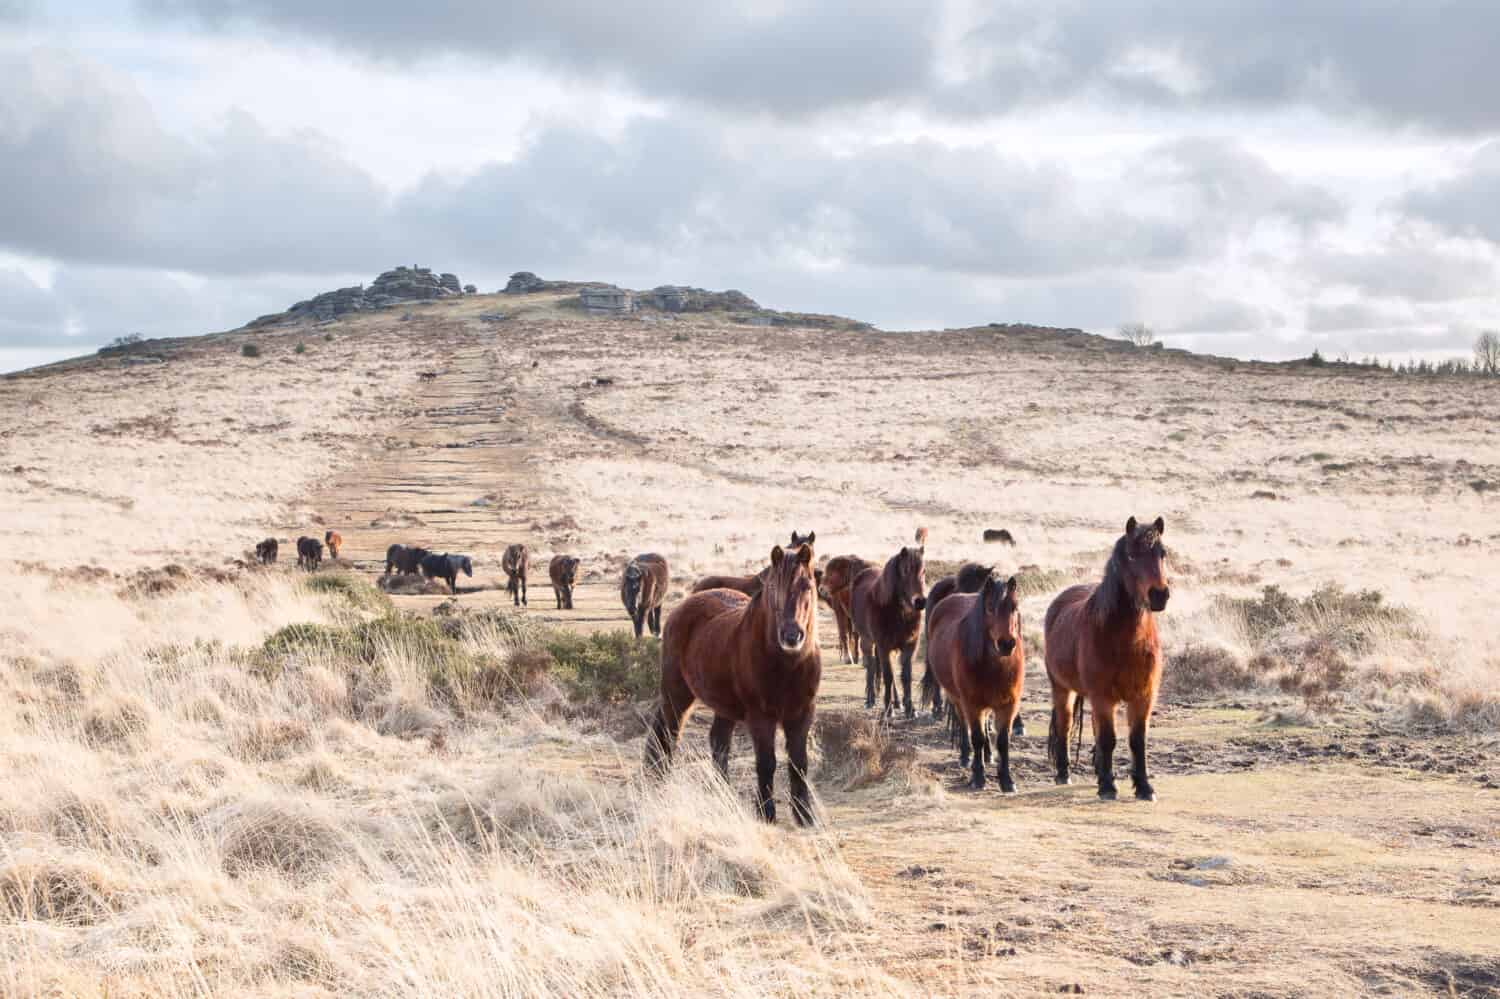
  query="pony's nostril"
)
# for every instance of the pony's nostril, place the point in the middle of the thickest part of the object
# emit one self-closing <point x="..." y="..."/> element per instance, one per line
<point x="919" y="602"/>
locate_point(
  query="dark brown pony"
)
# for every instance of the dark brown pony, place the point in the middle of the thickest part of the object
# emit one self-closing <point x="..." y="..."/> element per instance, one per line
<point x="975" y="653"/>
<point x="1102" y="645"/>
<point x="404" y="560"/>
<point x="265" y="552"/>
<point x="838" y="579"/>
<point x="334" y="540"/>
<point x="643" y="588"/>
<point x="750" y="659"/>
<point x="563" y="571"/>
<point x="886" y="607"/>
<point x="309" y="552"/>
<point x="514" y="564"/>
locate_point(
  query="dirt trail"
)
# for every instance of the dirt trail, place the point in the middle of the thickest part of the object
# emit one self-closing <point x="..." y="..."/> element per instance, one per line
<point x="1278" y="861"/>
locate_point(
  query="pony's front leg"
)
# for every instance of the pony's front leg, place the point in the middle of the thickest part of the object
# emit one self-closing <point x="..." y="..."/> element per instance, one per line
<point x="1104" y="746"/>
<point x="796" y="756"/>
<point x="1002" y="747"/>
<point x="907" y="651"/>
<point x="763" y="736"/>
<point x="720" y="737"/>
<point x="977" y="737"/>
<point x="888" y="679"/>
<point x="868" y="655"/>
<point x="1138" y="714"/>
<point x="958" y="731"/>
<point x="1057" y="734"/>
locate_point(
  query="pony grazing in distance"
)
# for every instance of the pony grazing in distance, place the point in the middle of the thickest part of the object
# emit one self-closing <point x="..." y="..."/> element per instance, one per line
<point x="974" y="651"/>
<point x="750" y="659"/>
<point x="838" y="579"/>
<point x="1102" y="645"/>
<point x="887" y="611"/>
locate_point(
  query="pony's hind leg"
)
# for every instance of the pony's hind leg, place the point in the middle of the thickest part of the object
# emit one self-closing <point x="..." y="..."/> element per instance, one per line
<point x="763" y="736"/>
<point x="676" y="702"/>
<point x="796" y="757"/>
<point x="1138" y="714"/>
<point x="523" y="589"/>
<point x="1104" y="747"/>
<point x="958" y="731"/>
<point x="1058" y="731"/>
<point x="720" y="736"/>
<point x="654" y="619"/>
<point x="871" y="672"/>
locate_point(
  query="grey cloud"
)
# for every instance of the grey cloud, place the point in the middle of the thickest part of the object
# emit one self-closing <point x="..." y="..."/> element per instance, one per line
<point x="788" y="59"/>
<point x="1346" y="316"/>
<point x="677" y="187"/>
<point x="29" y="314"/>
<point x="1413" y="264"/>
<point x="1469" y="202"/>
<point x="1405" y="63"/>
<point x="1224" y="317"/>
<point x="87" y="173"/>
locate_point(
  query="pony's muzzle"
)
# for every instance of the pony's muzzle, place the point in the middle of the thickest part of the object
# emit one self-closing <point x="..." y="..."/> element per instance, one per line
<point x="792" y="636"/>
<point x="1006" y="646"/>
<point x="1158" y="598"/>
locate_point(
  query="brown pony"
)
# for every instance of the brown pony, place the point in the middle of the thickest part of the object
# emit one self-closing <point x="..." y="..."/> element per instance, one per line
<point x="643" y="588"/>
<point x="334" y="540"/>
<point x="1102" y="645"/>
<point x="514" y="564"/>
<point x="838" y="578"/>
<point x="563" y="570"/>
<point x="886" y="606"/>
<point x="265" y="551"/>
<point x="974" y="652"/>
<point x="750" y="659"/>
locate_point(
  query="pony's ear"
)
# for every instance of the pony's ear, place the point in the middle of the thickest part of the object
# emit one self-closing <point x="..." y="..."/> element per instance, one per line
<point x="777" y="555"/>
<point x="811" y="537"/>
<point x="989" y="585"/>
<point x="1160" y="525"/>
<point x="1010" y="586"/>
<point x="1130" y="525"/>
<point x="804" y="554"/>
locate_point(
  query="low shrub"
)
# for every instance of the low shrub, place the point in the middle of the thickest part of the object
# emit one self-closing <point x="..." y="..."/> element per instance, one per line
<point x="249" y="350"/>
<point x="611" y="667"/>
<point x="355" y="592"/>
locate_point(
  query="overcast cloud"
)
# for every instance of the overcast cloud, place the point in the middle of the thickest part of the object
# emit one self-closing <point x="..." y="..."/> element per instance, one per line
<point x="1245" y="177"/>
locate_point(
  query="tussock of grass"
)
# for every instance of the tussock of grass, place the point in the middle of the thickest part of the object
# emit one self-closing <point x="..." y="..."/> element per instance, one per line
<point x="856" y="750"/>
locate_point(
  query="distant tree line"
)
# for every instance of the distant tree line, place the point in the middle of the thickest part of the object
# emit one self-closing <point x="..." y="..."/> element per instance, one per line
<point x="1485" y="363"/>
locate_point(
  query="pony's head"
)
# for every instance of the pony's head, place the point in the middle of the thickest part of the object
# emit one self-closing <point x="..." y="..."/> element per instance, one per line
<point x="569" y="569"/>
<point x="1142" y="561"/>
<point x="909" y="575"/>
<point x="798" y="540"/>
<point x="468" y="566"/>
<point x="791" y="593"/>
<point x="1002" y="614"/>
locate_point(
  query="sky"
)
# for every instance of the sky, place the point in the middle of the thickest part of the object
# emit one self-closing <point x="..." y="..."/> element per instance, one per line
<point x="1254" y="179"/>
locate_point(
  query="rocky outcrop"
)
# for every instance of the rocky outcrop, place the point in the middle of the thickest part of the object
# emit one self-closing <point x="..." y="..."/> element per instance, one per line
<point x="394" y="287"/>
<point x="525" y="282"/>
<point x="679" y="298"/>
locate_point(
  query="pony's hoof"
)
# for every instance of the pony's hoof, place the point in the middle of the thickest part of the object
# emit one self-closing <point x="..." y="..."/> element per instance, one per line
<point x="1008" y="787"/>
<point x="1062" y="780"/>
<point x="1019" y="728"/>
<point x="1108" y="794"/>
<point x="975" y="784"/>
<point x="910" y="713"/>
<point x="1145" y="794"/>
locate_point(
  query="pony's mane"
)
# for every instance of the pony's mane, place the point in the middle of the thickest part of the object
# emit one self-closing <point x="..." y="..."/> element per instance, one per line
<point x="971" y="630"/>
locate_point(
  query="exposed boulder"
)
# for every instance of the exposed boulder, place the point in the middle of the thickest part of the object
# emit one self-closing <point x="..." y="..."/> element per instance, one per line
<point x="524" y="282"/>
<point x="410" y="283"/>
<point x="450" y="281"/>
<point x="606" y="300"/>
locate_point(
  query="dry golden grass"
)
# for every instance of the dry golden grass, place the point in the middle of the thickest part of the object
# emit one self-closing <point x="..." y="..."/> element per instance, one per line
<point x="363" y="816"/>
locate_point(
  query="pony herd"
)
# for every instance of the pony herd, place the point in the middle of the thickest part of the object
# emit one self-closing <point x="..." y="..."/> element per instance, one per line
<point x="746" y="647"/>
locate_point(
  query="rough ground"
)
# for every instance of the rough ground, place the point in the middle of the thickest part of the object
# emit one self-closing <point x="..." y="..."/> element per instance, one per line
<point x="1357" y="853"/>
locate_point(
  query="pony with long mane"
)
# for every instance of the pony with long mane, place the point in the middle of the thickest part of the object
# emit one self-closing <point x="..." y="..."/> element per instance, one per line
<point x="975" y="653"/>
<point x="886" y="606"/>
<point x="514" y="564"/>
<point x="1102" y="645"/>
<point x="751" y="659"/>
